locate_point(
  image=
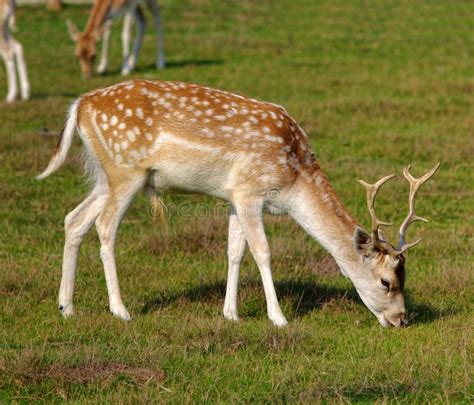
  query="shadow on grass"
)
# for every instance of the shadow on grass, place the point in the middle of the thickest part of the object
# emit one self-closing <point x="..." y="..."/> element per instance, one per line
<point x="174" y="64"/>
<point x="423" y="313"/>
<point x="304" y="296"/>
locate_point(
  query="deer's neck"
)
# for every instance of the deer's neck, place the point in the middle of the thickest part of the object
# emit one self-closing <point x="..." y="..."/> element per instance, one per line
<point x="316" y="207"/>
<point x="97" y="15"/>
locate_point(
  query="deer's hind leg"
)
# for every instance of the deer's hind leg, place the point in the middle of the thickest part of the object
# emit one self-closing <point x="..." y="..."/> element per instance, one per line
<point x="107" y="223"/>
<point x="77" y="223"/>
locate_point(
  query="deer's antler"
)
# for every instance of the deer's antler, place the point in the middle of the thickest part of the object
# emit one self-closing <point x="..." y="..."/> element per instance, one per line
<point x="415" y="184"/>
<point x="372" y="190"/>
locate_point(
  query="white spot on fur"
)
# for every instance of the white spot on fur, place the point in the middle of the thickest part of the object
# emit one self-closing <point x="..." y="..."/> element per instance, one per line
<point x="272" y="138"/>
<point x="131" y="135"/>
<point x="139" y="112"/>
<point x="227" y="128"/>
<point x="253" y="119"/>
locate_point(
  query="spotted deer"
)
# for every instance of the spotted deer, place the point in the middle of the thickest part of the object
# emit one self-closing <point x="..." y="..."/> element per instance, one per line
<point x="12" y="53"/>
<point x="169" y="136"/>
<point x="99" y="24"/>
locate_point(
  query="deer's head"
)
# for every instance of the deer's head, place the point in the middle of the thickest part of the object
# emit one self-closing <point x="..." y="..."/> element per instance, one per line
<point x="382" y="265"/>
<point x="85" y="49"/>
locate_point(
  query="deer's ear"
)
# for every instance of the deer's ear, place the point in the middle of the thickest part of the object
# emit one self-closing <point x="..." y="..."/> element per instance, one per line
<point x="72" y="30"/>
<point x="363" y="243"/>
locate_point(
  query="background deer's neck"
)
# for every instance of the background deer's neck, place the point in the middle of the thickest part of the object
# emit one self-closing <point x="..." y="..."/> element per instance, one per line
<point x="97" y="16"/>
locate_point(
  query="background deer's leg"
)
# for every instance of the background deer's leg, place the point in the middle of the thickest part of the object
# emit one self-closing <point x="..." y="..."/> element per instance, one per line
<point x="160" y="60"/>
<point x="104" y="54"/>
<point x="22" y="71"/>
<point x="9" y="60"/>
<point x="235" y="253"/>
<point x="77" y="224"/>
<point x="126" y="29"/>
<point x="107" y="223"/>
<point x="250" y="218"/>
<point x="141" y="25"/>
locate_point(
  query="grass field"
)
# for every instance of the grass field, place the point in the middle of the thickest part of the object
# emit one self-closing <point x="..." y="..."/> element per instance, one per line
<point x="376" y="86"/>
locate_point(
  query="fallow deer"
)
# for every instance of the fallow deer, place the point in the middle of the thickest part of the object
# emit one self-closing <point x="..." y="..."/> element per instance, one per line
<point x="12" y="53"/>
<point x="170" y="136"/>
<point x="102" y="14"/>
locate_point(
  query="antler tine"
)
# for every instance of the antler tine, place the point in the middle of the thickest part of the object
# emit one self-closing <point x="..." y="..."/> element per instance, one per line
<point x="415" y="184"/>
<point x="372" y="190"/>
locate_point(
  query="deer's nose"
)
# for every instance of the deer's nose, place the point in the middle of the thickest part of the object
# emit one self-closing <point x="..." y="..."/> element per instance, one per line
<point x="400" y="320"/>
<point x="397" y="320"/>
<point x="403" y="320"/>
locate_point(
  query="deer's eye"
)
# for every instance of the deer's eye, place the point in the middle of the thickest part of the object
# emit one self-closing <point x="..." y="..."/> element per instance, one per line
<point x="385" y="283"/>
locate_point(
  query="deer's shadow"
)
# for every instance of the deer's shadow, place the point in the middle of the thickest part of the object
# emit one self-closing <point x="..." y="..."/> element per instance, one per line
<point x="172" y="64"/>
<point x="304" y="297"/>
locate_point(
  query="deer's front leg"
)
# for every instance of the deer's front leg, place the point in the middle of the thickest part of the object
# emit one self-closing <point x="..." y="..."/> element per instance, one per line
<point x="235" y="253"/>
<point x="104" y="55"/>
<point x="250" y="218"/>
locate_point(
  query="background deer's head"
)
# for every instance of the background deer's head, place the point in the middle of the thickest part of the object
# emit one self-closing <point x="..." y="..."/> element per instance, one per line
<point x="85" y="49"/>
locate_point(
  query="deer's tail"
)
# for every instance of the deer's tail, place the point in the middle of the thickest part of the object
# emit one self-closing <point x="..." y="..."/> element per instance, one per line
<point x="64" y="144"/>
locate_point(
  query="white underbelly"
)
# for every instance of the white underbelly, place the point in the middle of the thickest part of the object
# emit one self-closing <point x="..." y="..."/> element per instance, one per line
<point x="171" y="176"/>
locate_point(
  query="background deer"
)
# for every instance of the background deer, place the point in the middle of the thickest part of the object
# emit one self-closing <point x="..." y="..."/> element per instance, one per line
<point x="102" y="14"/>
<point x="12" y="53"/>
<point x="168" y="136"/>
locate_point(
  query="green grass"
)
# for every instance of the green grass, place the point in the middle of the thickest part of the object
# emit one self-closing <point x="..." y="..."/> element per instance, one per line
<point x="376" y="86"/>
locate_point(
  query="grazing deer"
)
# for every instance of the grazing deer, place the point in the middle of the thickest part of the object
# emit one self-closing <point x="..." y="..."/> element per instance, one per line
<point x="12" y="53"/>
<point x="170" y="136"/>
<point x="100" y="20"/>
